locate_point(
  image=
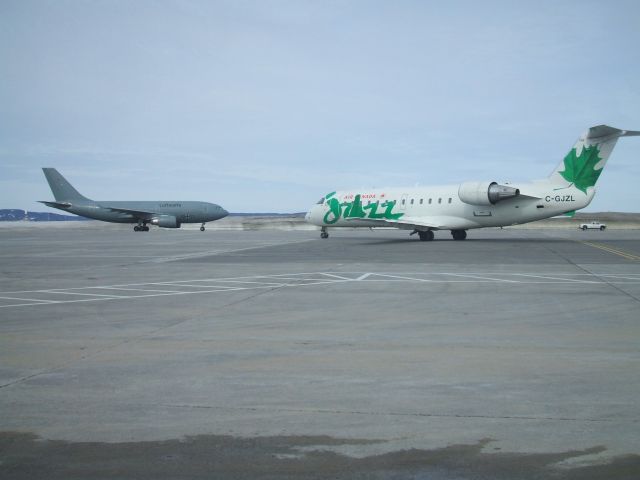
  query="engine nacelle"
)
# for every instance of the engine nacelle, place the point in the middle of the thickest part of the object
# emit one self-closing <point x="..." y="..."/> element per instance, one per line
<point x="166" y="221"/>
<point x="485" y="193"/>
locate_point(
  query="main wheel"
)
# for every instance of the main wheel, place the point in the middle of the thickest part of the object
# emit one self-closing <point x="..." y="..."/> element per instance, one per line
<point x="202" y="229"/>
<point x="602" y="228"/>
<point x="426" y="236"/>
<point x="136" y="228"/>
<point x="459" y="234"/>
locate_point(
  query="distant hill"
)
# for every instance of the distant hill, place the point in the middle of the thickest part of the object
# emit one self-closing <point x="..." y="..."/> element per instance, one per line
<point x="15" y="215"/>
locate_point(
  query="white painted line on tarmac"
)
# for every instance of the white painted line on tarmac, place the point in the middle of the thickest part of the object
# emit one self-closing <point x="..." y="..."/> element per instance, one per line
<point x="190" y="285"/>
<point x="362" y="277"/>
<point x="129" y="289"/>
<point x="59" y="292"/>
<point x="385" y="275"/>
<point x="39" y="300"/>
<point x="620" y="277"/>
<point x="547" y="277"/>
<point x="479" y="277"/>
<point x="333" y="275"/>
<point x="241" y="283"/>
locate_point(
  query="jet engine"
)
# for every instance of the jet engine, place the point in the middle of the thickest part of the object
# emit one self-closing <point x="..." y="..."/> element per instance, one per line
<point x="485" y="193"/>
<point x="166" y="221"/>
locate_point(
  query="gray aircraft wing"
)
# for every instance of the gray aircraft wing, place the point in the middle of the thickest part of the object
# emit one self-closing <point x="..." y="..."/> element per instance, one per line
<point x="143" y="215"/>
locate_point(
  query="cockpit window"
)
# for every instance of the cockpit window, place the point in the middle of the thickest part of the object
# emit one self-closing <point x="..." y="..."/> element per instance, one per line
<point x="321" y="201"/>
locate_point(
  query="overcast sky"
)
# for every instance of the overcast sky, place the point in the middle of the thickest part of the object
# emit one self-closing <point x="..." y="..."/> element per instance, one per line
<point x="268" y="105"/>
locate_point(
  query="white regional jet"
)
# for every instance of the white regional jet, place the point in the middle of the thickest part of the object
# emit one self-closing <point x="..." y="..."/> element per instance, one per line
<point x="458" y="208"/>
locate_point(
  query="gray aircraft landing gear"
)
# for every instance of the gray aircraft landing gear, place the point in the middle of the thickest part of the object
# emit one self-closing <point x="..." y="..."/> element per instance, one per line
<point x="459" y="234"/>
<point x="202" y="227"/>
<point x="141" y="227"/>
<point x="324" y="233"/>
<point x="426" y="236"/>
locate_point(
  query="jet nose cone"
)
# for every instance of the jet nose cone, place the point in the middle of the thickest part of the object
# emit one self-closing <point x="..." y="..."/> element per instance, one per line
<point x="307" y="217"/>
<point x="223" y="212"/>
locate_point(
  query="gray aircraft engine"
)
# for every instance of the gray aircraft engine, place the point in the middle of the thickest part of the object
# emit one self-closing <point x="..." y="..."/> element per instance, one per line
<point x="485" y="193"/>
<point x="166" y="221"/>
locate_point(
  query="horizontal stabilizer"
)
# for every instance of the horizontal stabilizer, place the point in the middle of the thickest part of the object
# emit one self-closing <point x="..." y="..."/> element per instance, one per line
<point x="602" y="131"/>
<point x="63" y="205"/>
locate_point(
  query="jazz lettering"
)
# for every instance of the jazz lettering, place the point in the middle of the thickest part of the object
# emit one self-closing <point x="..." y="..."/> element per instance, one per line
<point x="355" y="209"/>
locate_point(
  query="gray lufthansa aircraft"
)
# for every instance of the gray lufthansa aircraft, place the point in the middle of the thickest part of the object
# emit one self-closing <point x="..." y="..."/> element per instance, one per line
<point x="167" y="214"/>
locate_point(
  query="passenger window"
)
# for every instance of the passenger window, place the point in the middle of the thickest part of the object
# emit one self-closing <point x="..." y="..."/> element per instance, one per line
<point x="421" y="201"/>
<point x="412" y="201"/>
<point x="449" y="199"/>
<point x="403" y="201"/>
<point x="439" y="200"/>
<point x="429" y="201"/>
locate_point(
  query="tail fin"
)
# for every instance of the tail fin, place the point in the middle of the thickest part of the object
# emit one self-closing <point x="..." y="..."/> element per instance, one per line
<point x="62" y="190"/>
<point x="584" y="163"/>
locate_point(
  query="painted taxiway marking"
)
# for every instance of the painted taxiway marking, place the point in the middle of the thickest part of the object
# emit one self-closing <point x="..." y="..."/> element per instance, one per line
<point x="27" y="300"/>
<point x="547" y="277"/>
<point x="59" y="292"/>
<point x="615" y="251"/>
<point x="131" y="290"/>
<point x="289" y="280"/>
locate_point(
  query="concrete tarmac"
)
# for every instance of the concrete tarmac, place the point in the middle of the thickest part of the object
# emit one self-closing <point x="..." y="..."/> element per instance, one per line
<point x="272" y="354"/>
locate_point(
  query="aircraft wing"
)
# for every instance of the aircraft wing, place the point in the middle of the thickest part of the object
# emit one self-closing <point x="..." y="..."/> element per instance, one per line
<point x="439" y="222"/>
<point x="134" y="213"/>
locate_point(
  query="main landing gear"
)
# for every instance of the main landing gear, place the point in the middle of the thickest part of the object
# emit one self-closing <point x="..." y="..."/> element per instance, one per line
<point x="459" y="234"/>
<point x="141" y="227"/>
<point x="426" y="236"/>
<point x="324" y="233"/>
<point x="202" y="227"/>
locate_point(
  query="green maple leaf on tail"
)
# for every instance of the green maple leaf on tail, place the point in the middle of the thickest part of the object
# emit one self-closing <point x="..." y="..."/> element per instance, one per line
<point x="581" y="170"/>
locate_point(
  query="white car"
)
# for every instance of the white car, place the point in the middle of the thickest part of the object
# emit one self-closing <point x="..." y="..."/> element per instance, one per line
<point x="592" y="226"/>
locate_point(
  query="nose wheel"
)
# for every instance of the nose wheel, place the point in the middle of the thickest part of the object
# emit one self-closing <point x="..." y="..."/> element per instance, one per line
<point x="202" y="227"/>
<point x="324" y="233"/>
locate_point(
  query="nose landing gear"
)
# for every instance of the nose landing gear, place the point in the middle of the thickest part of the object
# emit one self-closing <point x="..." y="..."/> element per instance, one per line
<point x="324" y="233"/>
<point x="202" y="227"/>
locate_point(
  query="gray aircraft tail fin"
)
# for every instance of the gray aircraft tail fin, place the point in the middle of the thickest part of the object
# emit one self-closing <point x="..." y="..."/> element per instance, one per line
<point x="62" y="190"/>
